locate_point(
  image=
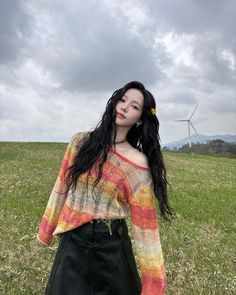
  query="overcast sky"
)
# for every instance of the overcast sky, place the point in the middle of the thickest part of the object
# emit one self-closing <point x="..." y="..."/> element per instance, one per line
<point x="60" y="62"/>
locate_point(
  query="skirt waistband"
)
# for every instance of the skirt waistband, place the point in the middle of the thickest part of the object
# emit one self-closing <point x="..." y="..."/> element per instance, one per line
<point x="108" y="222"/>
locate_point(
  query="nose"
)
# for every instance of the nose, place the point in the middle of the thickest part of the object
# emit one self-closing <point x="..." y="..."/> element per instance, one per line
<point x="124" y="108"/>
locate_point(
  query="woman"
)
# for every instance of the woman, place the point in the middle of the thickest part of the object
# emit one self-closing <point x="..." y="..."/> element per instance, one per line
<point x="108" y="174"/>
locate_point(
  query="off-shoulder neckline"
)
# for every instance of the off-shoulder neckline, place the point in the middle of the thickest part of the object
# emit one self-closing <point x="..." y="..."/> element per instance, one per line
<point x="129" y="161"/>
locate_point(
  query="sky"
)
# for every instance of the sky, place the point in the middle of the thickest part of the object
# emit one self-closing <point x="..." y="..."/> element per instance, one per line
<point x="60" y="62"/>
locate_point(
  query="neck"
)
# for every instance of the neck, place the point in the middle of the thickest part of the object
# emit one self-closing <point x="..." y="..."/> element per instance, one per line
<point x="121" y="133"/>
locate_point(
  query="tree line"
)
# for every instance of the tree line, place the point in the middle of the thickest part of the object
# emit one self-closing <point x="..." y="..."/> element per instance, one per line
<point x="216" y="147"/>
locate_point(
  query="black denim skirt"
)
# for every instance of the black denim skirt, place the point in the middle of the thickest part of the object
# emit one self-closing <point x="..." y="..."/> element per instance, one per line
<point x="94" y="259"/>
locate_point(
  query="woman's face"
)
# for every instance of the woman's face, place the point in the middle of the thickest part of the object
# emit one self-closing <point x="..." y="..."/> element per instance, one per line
<point x="130" y="106"/>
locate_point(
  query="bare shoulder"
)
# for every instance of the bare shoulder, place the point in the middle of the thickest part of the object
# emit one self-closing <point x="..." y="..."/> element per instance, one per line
<point x="139" y="157"/>
<point x="134" y="155"/>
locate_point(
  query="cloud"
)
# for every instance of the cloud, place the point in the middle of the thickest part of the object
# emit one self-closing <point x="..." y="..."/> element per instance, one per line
<point x="76" y="43"/>
<point x="60" y="58"/>
<point x="15" y="25"/>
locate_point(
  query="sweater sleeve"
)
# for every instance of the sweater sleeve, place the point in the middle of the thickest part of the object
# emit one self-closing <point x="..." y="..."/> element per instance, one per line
<point x="145" y="233"/>
<point x="57" y="198"/>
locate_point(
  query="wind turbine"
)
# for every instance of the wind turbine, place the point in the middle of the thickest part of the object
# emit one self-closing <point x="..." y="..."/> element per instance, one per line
<point x="189" y="123"/>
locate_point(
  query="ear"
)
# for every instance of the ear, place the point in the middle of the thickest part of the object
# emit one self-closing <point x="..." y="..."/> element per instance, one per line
<point x="139" y="122"/>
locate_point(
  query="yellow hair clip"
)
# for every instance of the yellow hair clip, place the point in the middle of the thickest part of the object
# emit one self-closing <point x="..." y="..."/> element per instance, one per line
<point x="154" y="111"/>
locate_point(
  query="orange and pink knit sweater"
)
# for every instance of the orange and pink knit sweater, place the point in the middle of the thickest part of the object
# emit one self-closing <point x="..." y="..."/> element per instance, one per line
<point x="125" y="189"/>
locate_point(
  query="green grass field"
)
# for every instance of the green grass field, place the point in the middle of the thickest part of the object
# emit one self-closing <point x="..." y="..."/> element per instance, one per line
<point x="199" y="246"/>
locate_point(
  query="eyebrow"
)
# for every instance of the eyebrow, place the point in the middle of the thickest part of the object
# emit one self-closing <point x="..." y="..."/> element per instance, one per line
<point x="133" y="100"/>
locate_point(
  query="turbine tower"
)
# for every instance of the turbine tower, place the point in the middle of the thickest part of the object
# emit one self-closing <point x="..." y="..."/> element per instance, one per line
<point x="189" y="123"/>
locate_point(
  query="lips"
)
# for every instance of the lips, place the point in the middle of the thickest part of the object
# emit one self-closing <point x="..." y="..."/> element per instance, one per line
<point x="120" y="115"/>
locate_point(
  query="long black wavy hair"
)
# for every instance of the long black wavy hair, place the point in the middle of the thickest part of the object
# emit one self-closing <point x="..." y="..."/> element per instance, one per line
<point x="145" y="138"/>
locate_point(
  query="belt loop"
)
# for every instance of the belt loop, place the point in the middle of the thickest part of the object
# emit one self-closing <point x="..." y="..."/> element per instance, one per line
<point x="108" y="223"/>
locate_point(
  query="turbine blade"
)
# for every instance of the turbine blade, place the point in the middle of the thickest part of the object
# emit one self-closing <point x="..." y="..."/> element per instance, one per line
<point x="193" y="127"/>
<point x="179" y="120"/>
<point x="193" y="112"/>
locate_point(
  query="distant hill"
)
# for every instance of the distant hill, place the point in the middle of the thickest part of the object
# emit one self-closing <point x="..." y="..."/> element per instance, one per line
<point x="198" y="138"/>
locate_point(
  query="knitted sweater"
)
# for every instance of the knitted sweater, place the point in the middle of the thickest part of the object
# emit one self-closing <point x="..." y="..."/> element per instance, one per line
<point x="125" y="189"/>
